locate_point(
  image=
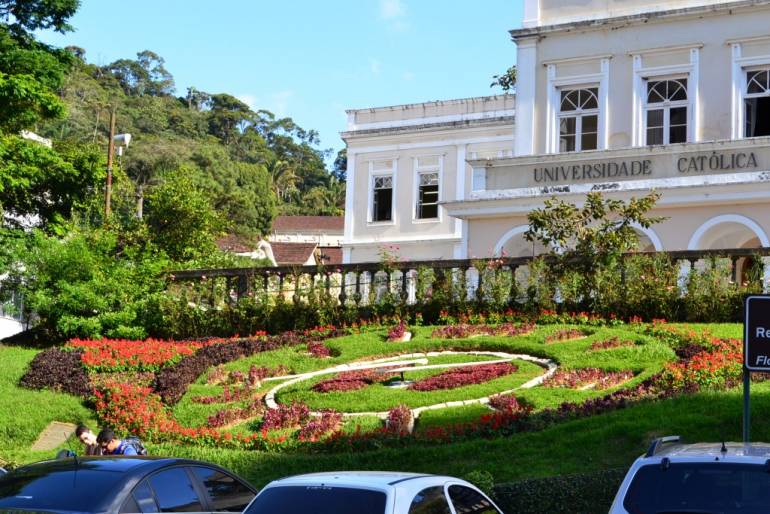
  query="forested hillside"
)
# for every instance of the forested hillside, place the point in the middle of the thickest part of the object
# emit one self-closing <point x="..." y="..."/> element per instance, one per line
<point x="251" y="165"/>
<point x="199" y="165"/>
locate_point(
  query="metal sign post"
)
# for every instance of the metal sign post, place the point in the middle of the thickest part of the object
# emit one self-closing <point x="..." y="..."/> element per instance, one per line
<point x="756" y="349"/>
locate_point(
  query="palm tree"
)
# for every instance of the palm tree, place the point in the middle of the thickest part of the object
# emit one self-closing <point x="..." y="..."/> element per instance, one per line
<point x="283" y="177"/>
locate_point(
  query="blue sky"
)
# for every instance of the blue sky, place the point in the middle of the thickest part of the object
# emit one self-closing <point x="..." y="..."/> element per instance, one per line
<point x="310" y="59"/>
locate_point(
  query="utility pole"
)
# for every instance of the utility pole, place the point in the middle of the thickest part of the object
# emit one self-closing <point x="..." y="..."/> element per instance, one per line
<point x="110" y="154"/>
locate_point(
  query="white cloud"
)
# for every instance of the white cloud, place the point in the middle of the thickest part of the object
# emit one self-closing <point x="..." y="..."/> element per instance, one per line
<point x="392" y="9"/>
<point x="375" y="66"/>
<point x="407" y="75"/>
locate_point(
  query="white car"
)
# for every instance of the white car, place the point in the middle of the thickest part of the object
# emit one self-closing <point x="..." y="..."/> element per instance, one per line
<point x="705" y="478"/>
<point x="370" y="492"/>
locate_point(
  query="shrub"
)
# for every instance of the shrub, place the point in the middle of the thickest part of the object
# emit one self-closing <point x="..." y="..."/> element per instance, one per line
<point x="286" y="416"/>
<point x="397" y="332"/>
<point x="586" y="492"/>
<point x="507" y="403"/>
<point x="318" y="349"/>
<point x="464" y="375"/>
<point x="481" y="479"/>
<point x="314" y="430"/>
<point x="58" y="370"/>
<point x="400" y="420"/>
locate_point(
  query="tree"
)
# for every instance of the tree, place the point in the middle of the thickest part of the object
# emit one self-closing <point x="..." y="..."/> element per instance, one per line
<point x="30" y="15"/>
<point x="340" y="167"/>
<point x="589" y="238"/>
<point x="181" y="220"/>
<point x="506" y="81"/>
<point x="146" y="75"/>
<point x="228" y="117"/>
<point x="44" y="185"/>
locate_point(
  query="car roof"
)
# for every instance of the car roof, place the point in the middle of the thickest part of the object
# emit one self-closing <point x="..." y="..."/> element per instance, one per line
<point x="715" y="450"/>
<point x="378" y="479"/>
<point x="141" y="464"/>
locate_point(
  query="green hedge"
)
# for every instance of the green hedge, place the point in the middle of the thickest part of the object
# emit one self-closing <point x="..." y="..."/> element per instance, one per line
<point x="589" y="493"/>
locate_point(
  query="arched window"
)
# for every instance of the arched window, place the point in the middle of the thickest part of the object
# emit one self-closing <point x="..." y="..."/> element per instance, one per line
<point x="757" y="103"/>
<point x="578" y="120"/>
<point x="666" y="115"/>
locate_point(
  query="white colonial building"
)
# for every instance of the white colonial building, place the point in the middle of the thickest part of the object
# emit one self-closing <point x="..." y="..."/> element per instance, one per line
<point x="621" y="96"/>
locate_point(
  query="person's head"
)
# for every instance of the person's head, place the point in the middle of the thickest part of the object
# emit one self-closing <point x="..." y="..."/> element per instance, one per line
<point x="107" y="440"/>
<point x="85" y="435"/>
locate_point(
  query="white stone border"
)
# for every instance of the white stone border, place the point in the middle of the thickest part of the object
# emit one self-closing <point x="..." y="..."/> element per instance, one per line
<point x="413" y="362"/>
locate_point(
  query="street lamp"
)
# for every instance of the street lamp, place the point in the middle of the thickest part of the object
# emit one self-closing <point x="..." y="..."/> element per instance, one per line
<point x="121" y="141"/>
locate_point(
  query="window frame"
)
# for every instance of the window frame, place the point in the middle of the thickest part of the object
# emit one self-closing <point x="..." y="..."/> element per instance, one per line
<point x="740" y="67"/>
<point x="423" y="170"/>
<point x="745" y="95"/>
<point x="642" y="74"/>
<point x="556" y="84"/>
<point x="578" y="114"/>
<point x="373" y="174"/>
<point x="666" y="107"/>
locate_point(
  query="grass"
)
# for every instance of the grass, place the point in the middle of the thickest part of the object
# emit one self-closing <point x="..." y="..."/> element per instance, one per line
<point x="25" y="413"/>
<point x="644" y="359"/>
<point x="380" y="397"/>
<point x="607" y="441"/>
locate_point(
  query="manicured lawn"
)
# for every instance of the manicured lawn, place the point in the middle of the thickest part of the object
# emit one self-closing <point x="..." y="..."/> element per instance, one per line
<point x="604" y="441"/>
<point x="25" y="413"/>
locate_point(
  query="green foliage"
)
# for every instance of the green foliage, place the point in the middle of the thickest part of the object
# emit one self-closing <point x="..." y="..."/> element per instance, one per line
<point x="481" y="479"/>
<point x="585" y="492"/>
<point x="24" y="101"/>
<point x="29" y="15"/>
<point x="92" y="284"/>
<point x="46" y="183"/>
<point x="506" y="81"/>
<point x="181" y="220"/>
<point x="589" y="238"/>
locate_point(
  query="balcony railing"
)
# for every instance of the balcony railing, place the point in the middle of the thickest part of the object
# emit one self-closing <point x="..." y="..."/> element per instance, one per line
<point x="364" y="283"/>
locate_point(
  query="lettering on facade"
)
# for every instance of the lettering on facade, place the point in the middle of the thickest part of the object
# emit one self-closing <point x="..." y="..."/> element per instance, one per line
<point x="602" y="170"/>
<point x="716" y="162"/>
<point x="599" y="171"/>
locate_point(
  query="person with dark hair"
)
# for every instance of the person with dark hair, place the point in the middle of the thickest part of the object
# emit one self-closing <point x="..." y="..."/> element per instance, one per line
<point x="111" y="445"/>
<point x="88" y="438"/>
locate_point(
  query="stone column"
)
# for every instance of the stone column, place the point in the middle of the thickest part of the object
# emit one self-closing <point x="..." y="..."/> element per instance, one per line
<point x="766" y="274"/>
<point x="684" y="273"/>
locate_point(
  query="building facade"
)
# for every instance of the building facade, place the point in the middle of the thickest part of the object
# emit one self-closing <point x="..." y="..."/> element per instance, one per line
<point x="405" y="161"/>
<point x="626" y="96"/>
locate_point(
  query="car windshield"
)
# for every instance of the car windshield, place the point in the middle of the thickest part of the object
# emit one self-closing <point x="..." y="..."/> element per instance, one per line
<point x="57" y="488"/>
<point x="701" y="488"/>
<point x="318" y="500"/>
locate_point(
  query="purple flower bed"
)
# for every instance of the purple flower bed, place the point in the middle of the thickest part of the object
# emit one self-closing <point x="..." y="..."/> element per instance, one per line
<point x="58" y="370"/>
<point x="577" y="378"/>
<point x="286" y="416"/>
<point x="352" y="380"/>
<point x="463" y="376"/>
<point x="613" y="342"/>
<point x="464" y="330"/>
<point x="172" y="382"/>
<point x="315" y="429"/>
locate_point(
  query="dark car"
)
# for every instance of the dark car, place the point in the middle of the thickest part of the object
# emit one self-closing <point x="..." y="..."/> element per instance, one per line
<point x="123" y="485"/>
